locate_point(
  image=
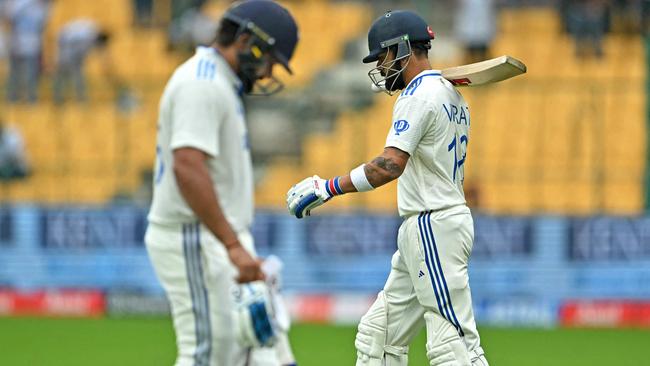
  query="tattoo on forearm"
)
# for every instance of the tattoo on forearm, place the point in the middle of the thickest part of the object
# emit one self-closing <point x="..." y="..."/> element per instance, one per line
<point x="381" y="171"/>
<point x="388" y="165"/>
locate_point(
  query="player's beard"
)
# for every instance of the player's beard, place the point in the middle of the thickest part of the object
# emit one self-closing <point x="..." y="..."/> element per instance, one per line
<point x="247" y="73"/>
<point x="250" y="74"/>
<point x="252" y="85"/>
<point x="247" y="81"/>
<point x="395" y="81"/>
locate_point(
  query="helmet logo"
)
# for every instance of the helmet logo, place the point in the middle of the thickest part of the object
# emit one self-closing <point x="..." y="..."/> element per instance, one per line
<point x="388" y="14"/>
<point x="400" y="126"/>
<point x="430" y="31"/>
<point x="256" y="51"/>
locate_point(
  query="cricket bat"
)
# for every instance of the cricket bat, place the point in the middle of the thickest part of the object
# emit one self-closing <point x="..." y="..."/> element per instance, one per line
<point x="485" y="72"/>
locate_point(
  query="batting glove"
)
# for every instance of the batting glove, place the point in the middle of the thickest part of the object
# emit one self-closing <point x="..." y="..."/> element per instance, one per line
<point x="311" y="193"/>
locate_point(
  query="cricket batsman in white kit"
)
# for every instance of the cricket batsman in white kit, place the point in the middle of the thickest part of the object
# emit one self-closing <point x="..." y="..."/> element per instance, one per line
<point x="428" y="284"/>
<point x="198" y="237"/>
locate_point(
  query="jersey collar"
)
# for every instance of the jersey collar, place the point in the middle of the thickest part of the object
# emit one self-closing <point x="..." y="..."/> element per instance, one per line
<point x="423" y="74"/>
<point x="417" y="80"/>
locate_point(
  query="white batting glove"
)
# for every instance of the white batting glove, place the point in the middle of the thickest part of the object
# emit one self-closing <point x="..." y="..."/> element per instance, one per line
<point x="310" y="193"/>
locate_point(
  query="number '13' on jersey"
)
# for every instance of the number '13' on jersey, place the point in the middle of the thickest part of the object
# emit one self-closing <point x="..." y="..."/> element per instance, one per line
<point x="458" y="146"/>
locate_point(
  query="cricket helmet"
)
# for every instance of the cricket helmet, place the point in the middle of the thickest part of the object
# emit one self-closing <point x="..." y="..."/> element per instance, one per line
<point x="272" y="29"/>
<point x="394" y="28"/>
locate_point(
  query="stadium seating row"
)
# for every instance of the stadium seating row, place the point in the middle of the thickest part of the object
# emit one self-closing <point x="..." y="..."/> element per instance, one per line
<point x="569" y="137"/>
<point x="92" y="153"/>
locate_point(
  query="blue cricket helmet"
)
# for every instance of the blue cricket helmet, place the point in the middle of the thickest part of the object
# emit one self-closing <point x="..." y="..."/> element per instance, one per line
<point x="272" y="22"/>
<point x="396" y="25"/>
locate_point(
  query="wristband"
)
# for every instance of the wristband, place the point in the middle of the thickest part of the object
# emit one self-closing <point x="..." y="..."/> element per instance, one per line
<point x="333" y="186"/>
<point x="359" y="179"/>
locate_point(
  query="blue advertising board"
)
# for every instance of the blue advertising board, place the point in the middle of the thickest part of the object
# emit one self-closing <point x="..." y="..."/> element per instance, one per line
<point x="515" y="260"/>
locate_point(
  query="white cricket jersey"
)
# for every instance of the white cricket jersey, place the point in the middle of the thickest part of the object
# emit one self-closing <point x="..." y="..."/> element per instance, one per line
<point x="431" y="123"/>
<point x="201" y="108"/>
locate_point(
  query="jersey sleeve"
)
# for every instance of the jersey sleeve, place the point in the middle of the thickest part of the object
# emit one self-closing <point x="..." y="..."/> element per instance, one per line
<point x="197" y="114"/>
<point x="411" y="119"/>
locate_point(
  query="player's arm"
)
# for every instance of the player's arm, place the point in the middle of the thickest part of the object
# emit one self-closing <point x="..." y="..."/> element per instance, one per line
<point x="314" y="191"/>
<point x="386" y="167"/>
<point x="412" y="117"/>
<point x="383" y="169"/>
<point x="197" y="189"/>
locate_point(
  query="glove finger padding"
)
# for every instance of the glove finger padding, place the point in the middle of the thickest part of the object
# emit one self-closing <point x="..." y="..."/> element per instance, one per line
<point x="313" y="205"/>
<point x="307" y="195"/>
<point x="307" y="182"/>
<point x="301" y="200"/>
<point x="300" y="188"/>
<point x="305" y="204"/>
<point x="300" y="196"/>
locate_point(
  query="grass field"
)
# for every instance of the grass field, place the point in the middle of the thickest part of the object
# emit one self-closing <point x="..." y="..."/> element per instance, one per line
<point x="143" y="342"/>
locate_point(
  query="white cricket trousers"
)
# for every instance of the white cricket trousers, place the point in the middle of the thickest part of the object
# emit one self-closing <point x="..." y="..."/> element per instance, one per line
<point x="195" y="271"/>
<point x="428" y="274"/>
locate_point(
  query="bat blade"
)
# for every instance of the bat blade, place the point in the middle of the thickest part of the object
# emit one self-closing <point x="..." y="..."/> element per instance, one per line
<point x="485" y="72"/>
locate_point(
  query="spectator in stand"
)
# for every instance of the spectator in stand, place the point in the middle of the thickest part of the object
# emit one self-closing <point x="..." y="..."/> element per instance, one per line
<point x="3" y="34"/>
<point x="193" y="28"/>
<point x="587" y="23"/>
<point x="143" y="10"/>
<point x="475" y="27"/>
<point x="75" y="41"/>
<point x="179" y="7"/>
<point x="26" y="19"/>
<point x="627" y="16"/>
<point x="13" y="159"/>
<point x="645" y="17"/>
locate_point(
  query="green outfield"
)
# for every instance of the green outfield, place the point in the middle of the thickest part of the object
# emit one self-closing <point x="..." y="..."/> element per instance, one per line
<point x="69" y="342"/>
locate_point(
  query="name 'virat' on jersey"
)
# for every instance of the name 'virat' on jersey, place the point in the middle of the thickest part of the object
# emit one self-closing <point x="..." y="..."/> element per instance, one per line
<point x="431" y="123"/>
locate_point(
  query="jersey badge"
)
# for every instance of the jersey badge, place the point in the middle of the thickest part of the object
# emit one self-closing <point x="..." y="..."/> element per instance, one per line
<point x="400" y="126"/>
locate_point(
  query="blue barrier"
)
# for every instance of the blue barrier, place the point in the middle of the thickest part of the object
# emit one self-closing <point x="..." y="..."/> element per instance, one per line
<point x="527" y="259"/>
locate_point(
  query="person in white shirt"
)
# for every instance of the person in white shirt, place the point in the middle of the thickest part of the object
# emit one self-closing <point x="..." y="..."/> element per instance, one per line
<point x="27" y="19"/>
<point x="202" y="207"/>
<point x="76" y="39"/>
<point x="475" y="27"/>
<point x="428" y="285"/>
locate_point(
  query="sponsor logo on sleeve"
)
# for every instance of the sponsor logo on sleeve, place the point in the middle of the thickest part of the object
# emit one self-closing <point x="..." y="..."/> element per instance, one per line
<point x="400" y="126"/>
